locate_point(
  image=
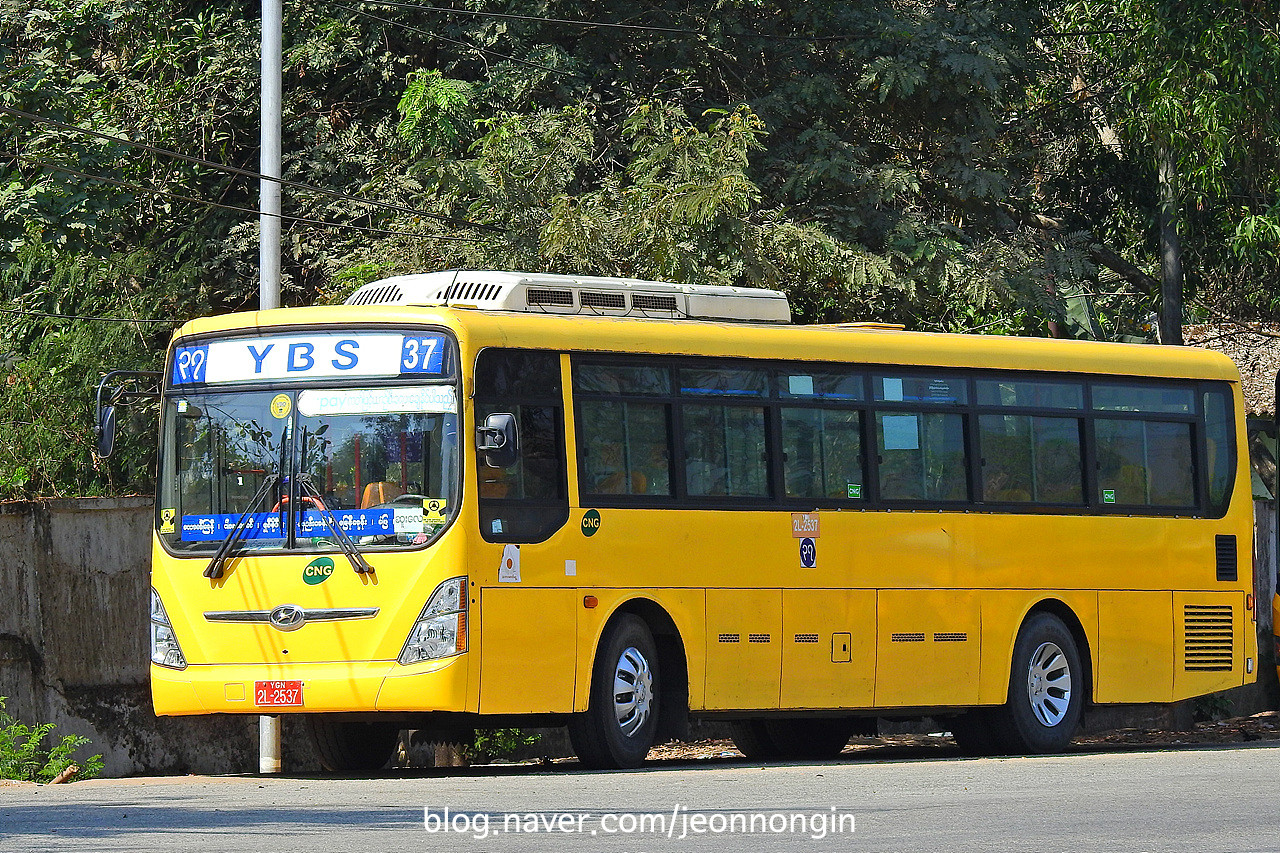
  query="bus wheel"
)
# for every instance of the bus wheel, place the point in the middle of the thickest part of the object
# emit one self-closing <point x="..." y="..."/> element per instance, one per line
<point x="768" y="739"/>
<point x="345" y="747"/>
<point x="1046" y="688"/>
<point x="823" y="737"/>
<point x="621" y="719"/>
<point x="753" y="741"/>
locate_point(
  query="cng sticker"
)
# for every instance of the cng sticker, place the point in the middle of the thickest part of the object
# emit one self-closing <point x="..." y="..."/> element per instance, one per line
<point x="317" y="571"/>
<point x="590" y="522"/>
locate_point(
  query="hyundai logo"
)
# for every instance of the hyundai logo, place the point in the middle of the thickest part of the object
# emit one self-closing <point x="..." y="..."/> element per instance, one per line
<point x="287" y="617"/>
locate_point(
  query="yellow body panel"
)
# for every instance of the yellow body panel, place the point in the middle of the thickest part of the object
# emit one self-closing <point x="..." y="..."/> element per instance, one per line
<point x="928" y="648"/>
<point x="1135" y="630"/>
<point x="528" y="650"/>
<point x="744" y="648"/>
<point x="828" y="648"/>
<point x="532" y="643"/>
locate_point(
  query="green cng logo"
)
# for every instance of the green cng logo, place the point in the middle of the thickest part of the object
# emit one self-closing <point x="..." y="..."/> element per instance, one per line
<point x="590" y="522"/>
<point x="318" y="571"/>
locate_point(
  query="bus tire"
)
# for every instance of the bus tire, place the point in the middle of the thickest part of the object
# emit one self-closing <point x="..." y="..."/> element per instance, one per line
<point x="753" y="741"/>
<point x="350" y="747"/>
<point x="621" y="720"/>
<point x="770" y="739"/>
<point x="811" y="738"/>
<point x="1046" y="688"/>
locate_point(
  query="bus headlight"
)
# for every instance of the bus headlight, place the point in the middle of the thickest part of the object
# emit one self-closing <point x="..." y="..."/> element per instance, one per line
<point x="441" y="629"/>
<point x="164" y="645"/>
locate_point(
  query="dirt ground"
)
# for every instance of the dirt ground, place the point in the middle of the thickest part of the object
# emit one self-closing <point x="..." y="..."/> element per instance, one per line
<point x="1261" y="726"/>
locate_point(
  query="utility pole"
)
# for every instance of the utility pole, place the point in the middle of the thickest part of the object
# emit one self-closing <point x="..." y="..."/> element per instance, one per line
<point x="269" y="185"/>
<point x="270" y="742"/>
<point x="1170" y="252"/>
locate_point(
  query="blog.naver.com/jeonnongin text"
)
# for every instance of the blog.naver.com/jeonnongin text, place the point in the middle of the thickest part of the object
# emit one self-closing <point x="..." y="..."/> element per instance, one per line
<point x="678" y="823"/>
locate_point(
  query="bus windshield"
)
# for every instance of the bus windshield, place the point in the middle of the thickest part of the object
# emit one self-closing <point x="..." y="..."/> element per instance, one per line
<point x="379" y="462"/>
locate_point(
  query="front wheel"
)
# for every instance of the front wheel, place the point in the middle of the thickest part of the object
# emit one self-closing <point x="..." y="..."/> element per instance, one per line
<point x="1046" y="688"/>
<point x="621" y="720"/>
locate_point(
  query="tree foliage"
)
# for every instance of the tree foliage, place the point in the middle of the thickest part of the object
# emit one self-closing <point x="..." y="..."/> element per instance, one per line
<point x="963" y="166"/>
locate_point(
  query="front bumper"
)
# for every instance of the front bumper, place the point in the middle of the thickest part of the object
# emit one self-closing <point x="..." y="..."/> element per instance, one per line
<point x="326" y="687"/>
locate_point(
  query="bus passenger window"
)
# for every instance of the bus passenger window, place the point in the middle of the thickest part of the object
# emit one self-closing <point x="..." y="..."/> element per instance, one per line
<point x="822" y="453"/>
<point x="1221" y="447"/>
<point x="624" y="448"/>
<point x="724" y="451"/>
<point x="922" y="456"/>
<point x="1145" y="463"/>
<point x="1029" y="459"/>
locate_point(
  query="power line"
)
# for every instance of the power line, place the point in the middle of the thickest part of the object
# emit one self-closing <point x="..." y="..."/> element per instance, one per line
<point x="303" y="219"/>
<point x="686" y="31"/>
<point x="235" y="170"/>
<point x="85" y="318"/>
<point x="476" y="48"/>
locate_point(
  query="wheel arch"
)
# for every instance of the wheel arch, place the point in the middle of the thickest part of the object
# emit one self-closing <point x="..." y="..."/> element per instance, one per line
<point x="1060" y="609"/>
<point x="673" y="663"/>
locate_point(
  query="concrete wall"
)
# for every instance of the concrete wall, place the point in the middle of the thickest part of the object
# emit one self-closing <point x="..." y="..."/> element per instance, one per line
<point x="74" y="586"/>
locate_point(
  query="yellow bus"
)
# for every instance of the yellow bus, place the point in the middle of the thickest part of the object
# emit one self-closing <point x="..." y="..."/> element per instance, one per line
<point x="484" y="499"/>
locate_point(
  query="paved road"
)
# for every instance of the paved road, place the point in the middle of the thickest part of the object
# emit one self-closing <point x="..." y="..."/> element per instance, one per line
<point x="1192" y="799"/>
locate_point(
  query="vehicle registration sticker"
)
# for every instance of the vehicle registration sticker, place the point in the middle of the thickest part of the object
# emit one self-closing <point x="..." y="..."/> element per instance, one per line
<point x="277" y="693"/>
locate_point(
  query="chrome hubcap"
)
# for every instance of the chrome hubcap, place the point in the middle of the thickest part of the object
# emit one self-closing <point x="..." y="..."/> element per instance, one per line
<point x="632" y="691"/>
<point x="1049" y="684"/>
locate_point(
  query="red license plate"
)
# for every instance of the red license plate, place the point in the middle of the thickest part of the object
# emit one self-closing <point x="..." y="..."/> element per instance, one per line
<point x="277" y="693"/>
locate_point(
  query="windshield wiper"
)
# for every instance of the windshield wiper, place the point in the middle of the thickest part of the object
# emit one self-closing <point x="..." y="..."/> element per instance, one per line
<point x="357" y="560"/>
<point x="214" y="569"/>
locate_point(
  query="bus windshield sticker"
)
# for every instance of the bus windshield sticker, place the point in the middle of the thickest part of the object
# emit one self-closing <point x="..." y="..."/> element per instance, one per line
<point x="168" y="520"/>
<point x="317" y="355"/>
<point x="855" y="490"/>
<point x="433" y="510"/>
<point x="509" y="569"/>
<point x="431" y="399"/>
<point x="357" y="523"/>
<point x="901" y="432"/>
<point x="893" y="389"/>
<point x="280" y="406"/>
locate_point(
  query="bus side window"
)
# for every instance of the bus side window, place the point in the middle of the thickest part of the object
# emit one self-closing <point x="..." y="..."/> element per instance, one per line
<point x="528" y="501"/>
<point x="1221" y="457"/>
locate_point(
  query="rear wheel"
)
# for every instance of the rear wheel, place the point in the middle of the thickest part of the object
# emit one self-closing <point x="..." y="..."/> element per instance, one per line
<point x="621" y="719"/>
<point x="753" y="741"/>
<point x="347" y="747"/>
<point x="1046" y="688"/>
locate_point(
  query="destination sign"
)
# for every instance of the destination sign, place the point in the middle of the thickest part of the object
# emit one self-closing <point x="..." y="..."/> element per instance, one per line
<point x="320" y="355"/>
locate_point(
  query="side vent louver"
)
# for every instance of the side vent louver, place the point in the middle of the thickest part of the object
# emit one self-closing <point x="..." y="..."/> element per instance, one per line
<point x="649" y="302"/>
<point x="390" y="293"/>
<point x="1209" y="637"/>
<point x="590" y="299"/>
<point x="1224" y="548"/>
<point x="546" y="296"/>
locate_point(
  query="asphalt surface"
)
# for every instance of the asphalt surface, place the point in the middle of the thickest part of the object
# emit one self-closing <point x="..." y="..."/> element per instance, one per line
<point x="1170" y="799"/>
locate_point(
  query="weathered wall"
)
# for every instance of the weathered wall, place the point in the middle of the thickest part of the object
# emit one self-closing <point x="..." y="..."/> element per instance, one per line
<point x="74" y="586"/>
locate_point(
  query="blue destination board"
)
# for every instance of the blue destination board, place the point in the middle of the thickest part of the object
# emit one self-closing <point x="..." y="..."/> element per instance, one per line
<point x="319" y="355"/>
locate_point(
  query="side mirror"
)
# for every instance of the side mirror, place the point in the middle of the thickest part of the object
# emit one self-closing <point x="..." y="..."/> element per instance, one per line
<point x="499" y="440"/>
<point x="106" y="431"/>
